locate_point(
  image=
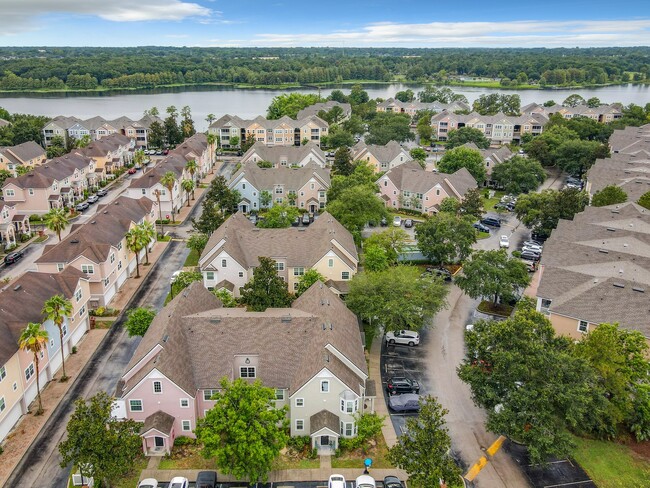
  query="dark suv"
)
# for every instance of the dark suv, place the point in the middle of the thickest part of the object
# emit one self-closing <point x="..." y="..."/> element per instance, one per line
<point x="398" y="385"/>
<point x="491" y="221"/>
<point x="206" y="479"/>
<point x="11" y="258"/>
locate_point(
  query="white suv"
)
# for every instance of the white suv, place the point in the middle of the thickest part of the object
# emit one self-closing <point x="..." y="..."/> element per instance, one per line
<point x="407" y="337"/>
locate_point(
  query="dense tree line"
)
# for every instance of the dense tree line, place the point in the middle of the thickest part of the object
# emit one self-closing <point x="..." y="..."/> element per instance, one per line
<point x="141" y="67"/>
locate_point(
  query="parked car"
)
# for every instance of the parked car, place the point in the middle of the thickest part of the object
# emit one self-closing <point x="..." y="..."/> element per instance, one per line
<point x="504" y="242"/>
<point x="383" y="222"/>
<point x="532" y="250"/>
<point x="531" y="266"/>
<point x="296" y="222"/>
<point x="159" y="152"/>
<point x="533" y="243"/>
<point x="481" y="228"/>
<point x="408" y="337"/>
<point x="510" y="207"/>
<point x="166" y="152"/>
<point x="491" y="221"/>
<point x="532" y="247"/>
<point x="12" y="257"/>
<point x="536" y="236"/>
<point x="82" y="206"/>
<point x="93" y="199"/>
<point x="444" y="273"/>
<point x="397" y="221"/>
<point x="409" y="402"/>
<point x="372" y="223"/>
<point x="148" y="483"/>
<point x="336" y="481"/>
<point x="529" y="256"/>
<point x="408" y="223"/>
<point x="102" y="193"/>
<point x="179" y="482"/>
<point x="206" y="479"/>
<point x="305" y="219"/>
<point x="132" y="171"/>
<point x="392" y="482"/>
<point x="402" y="384"/>
<point x="365" y="481"/>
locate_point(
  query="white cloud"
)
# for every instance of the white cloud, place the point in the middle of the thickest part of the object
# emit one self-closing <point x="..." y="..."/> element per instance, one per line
<point x="20" y="15"/>
<point x="525" y="33"/>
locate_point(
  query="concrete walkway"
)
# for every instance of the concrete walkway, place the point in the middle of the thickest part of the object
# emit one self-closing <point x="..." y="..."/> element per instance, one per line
<point x="374" y="367"/>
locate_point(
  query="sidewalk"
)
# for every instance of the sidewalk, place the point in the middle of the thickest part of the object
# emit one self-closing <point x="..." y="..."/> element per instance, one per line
<point x="374" y="367"/>
<point x="184" y="210"/>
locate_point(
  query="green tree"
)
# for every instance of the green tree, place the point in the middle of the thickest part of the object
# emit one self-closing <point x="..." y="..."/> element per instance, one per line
<point x="290" y="104"/>
<point x="494" y="103"/>
<point x="157" y="135"/>
<point x="135" y="242"/>
<point x="342" y="162"/>
<point x="183" y="280"/>
<point x="424" y="129"/>
<point x="362" y="175"/>
<point x="279" y="216"/>
<point x="222" y="196"/>
<point x="544" y="146"/>
<point x="576" y="157"/>
<point x="234" y="141"/>
<point x="432" y="93"/>
<point x="419" y="155"/>
<point x="423" y="451"/>
<point x="33" y="339"/>
<point x="459" y="137"/>
<point x="187" y="124"/>
<point x="266" y="289"/>
<point x="168" y="180"/>
<point x="172" y="131"/>
<point x="493" y="275"/>
<point x="56" y="147"/>
<point x="211" y="218"/>
<point x="138" y="321"/>
<point x="519" y="175"/>
<point x="197" y="242"/>
<point x="188" y="187"/>
<point x="389" y="126"/>
<point x="472" y="204"/>
<point x="56" y="220"/>
<point x="542" y="211"/>
<point x="358" y="95"/>
<point x="56" y="309"/>
<point x="450" y="205"/>
<point x="244" y="431"/>
<point x="4" y="174"/>
<point x="310" y="277"/>
<point x="355" y="207"/>
<point x="148" y="231"/>
<point x="609" y="195"/>
<point x="446" y="238"/>
<point x="396" y="298"/>
<point x="464" y="157"/>
<point x="405" y="96"/>
<point x="265" y="198"/>
<point x="392" y="240"/>
<point x="192" y="168"/>
<point x="92" y="432"/>
<point x="227" y="298"/>
<point x="573" y="101"/>
<point x="644" y="200"/>
<point x="375" y="258"/>
<point x="338" y="96"/>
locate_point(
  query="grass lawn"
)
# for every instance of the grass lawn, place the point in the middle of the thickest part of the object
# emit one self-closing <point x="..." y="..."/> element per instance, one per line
<point x="490" y="308"/>
<point x="482" y="235"/>
<point x="42" y="238"/>
<point x="489" y="203"/>
<point x="187" y="457"/>
<point x="192" y="259"/>
<point x="103" y="324"/>
<point x="164" y="238"/>
<point x="378" y="453"/>
<point x="370" y="333"/>
<point x="285" y="461"/>
<point x="612" y="465"/>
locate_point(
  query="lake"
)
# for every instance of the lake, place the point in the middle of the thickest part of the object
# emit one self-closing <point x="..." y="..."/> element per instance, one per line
<point x="249" y="103"/>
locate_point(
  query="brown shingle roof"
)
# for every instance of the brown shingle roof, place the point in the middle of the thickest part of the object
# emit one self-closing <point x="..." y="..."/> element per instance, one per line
<point x="324" y="419"/>
<point x="160" y="421"/>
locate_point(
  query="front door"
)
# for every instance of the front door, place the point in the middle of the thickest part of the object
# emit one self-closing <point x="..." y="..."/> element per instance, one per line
<point x="244" y="208"/>
<point x="324" y="440"/>
<point x="312" y="208"/>
<point x="159" y="441"/>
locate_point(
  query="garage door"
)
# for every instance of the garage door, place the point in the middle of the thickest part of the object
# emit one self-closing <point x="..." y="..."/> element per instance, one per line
<point x="10" y="420"/>
<point x="110" y="293"/>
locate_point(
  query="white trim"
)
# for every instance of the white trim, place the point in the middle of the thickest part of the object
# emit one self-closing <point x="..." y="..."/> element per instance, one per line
<point x="346" y="361"/>
<point x="180" y="402"/>
<point x="183" y="429"/>
<point x="153" y="387"/>
<point x="148" y="377"/>
<point x="295" y="425"/>
<point x="295" y="402"/>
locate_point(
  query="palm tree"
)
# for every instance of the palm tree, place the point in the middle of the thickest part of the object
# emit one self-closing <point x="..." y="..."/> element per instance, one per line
<point x="188" y="188"/>
<point x="212" y="140"/>
<point x="162" y="226"/>
<point x="210" y="118"/>
<point x="33" y="339"/>
<point x="191" y="167"/>
<point x="57" y="309"/>
<point x="148" y="233"/>
<point x="135" y="242"/>
<point x="56" y="220"/>
<point x="168" y="180"/>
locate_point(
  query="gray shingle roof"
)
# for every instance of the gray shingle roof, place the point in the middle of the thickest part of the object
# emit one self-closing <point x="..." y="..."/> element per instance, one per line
<point x="24" y="152"/>
<point x="326" y="106"/>
<point x="411" y="177"/>
<point x="292" y="154"/>
<point x="290" y="178"/>
<point x="324" y="419"/>
<point x="383" y="154"/>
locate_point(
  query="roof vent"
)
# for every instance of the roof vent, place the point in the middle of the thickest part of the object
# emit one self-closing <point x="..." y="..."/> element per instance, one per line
<point x="640" y="290"/>
<point x="615" y="211"/>
<point x="75" y="241"/>
<point x="215" y="320"/>
<point x="165" y="338"/>
<point x="17" y="287"/>
<point x="286" y="318"/>
<point x="619" y="285"/>
<point x="94" y="222"/>
<point x="604" y="251"/>
<point x="611" y="229"/>
<point x="105" y="212"/>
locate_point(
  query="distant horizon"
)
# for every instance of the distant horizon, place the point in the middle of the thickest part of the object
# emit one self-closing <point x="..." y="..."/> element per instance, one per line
<point x="411" y="48"/>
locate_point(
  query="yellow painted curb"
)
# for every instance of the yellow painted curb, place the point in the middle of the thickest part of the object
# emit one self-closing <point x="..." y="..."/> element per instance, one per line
<point x="496" y="445"/>
<point x="476" y="469"/>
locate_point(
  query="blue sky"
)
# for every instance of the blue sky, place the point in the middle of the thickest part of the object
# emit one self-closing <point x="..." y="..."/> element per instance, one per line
<point x="340" y="23"/>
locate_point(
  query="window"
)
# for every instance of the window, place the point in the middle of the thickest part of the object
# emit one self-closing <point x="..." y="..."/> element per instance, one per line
<point x="247" y="372"/>
<point x="437" y="192"/>
<point x="157" y="387"/>
<point x="82" y="311"/>
<point x="321" y="194"/>
<point x="87" y="268"/>
<point x="106" y="281"/>
<point x="64" y="329"/>
<point x="330" y="263"/>
<point x="241" y="274"/>
<point x="112" y="258"/>
<point x="135" y="405"/>
<point x="208" y="394"/>
<point x="78" y="294"/>
<point x="347" y="429"/>
<point x="223" y="263"/>
<point x="345" y="275"/>
<point x="298" y="271"/>
<point x="209" y="275"/>
<point x="385" y="182"/>
<point x="324" y="386"/>
<point x="29" y="372"/>
<point x="9" y="193"/>
<point x="2" y="404"/>
<point x="279" y="394"/>
<point x="185" y="403"/>
<point x="31" y="191"/>
<point x="300" y="424"/>
<point x="3" y="373"/>
<point x="144" y="191"/>
<point x="278" y="189"/>
<point x="119" y="265"/>
<point x="583" y="326"/>
<point x="15" y="386"/>
<point x="186" y="425"/>
<point x="279" y="266"/>
<point x="546" y="304"/>
<point x="119" y="246"/>
<point x="243" y="186"/>
<point x="300" y="402"/>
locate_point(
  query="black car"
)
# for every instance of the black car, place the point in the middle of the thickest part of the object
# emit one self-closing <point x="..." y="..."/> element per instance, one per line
<point x="538" y="237"/>
<point x="444" y="273"/>
<point x="102" y="193"/>
<point x="392" y="482"/>
<point x="13" y="257"/>
<point x="206" y="479"/>
<point x="491" y="221"/>
<point x="408" y="223"/>
<point x="402" y="384"/>
<point x="481" y="228"/>
<point x="296" y="222"/>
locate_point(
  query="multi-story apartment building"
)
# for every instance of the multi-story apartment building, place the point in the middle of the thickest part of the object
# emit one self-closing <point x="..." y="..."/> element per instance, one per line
<point x="380" y="158"/>
<point x="412" y="108"/>
<point x="26" y="155"/>
<point x="285" y="155"/>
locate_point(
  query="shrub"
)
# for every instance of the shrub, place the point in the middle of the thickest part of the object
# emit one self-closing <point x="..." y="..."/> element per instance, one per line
<point x="34" y="217"/>
<point x="74" y="349"/>
<point x="182" y="440"/>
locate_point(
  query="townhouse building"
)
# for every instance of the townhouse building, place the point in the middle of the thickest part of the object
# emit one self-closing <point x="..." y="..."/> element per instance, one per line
<point x="197" y="148"/>
<point x="602" y="113"/>
<point x="303" y="187"/>
<point x="55" y="184"/>
<point x="26" y="155"/>
<point x="631" y="140"/>
<point x="311" y="354"/>
<point x="596" y="269"/>
<point x="232" y="253"/>
<point x="630" y="172"/>
<point x="498" y="129"/>
<point x="409" y="186"/>
<point x="98" y="248"/>
<point x="110" y="153"/>
<point x="282" y="132"/>
<point x="316" y="108"/>
<point x="20" y="304"/>
<point x="285" y="155"/>
<point x="380" y="158"/>
<point x="12" y="225"/>
<point x="413" y="107"/>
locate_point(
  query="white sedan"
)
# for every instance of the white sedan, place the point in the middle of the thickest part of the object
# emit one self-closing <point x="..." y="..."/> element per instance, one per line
<point x="179" y="482"/>
<point x="336" y="481"/>
<point x="365" y="481"/>
<point x="407" y="337"/>
<point x="504" y="242"/>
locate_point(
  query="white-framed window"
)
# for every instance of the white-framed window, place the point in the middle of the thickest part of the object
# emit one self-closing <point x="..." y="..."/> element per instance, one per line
<point x="545" y="305"/>
<point x="185" y="403"/>
<point x="59" y="266"/>
<point x="349" y="406"/>
<point x="247" y="372"/>
<point x="119" y="265"/>
<point x="112" y="258"/>
<point x="223" y="263"/>
<point x="2" y="404"/>
<point x="14" y="386"/>
<point x="82" y="311"/>
<point x="299" y="402"/>
<point x="106" y="282"/>
<point x="583" y="326"/>
<point x="208" y="394"/>
<point x="279" y="394"/>
<point x="9" y="193"/>
<point x="347" y="429"/>
<point x="345" y="275"/>
<point x="325" y="386"/>
<point x="30" y="191"/>
<point x="298" y="271"/>
<point x="3" y="373"/>
<point x="29" y="371"/>
<point x="279" y="266"/>
<point x="157" y="387"/>
<point x="300" y="424"/>
<point x="78" y="294"/>
<point x="119" y="246"/>
<point x="42" y="354"/>
<point x="88" y="268"/>
<point x="144" y="191"/>
<point x="135" y="405"/>
<point x="243" y="186"/>
<point x="64" y="327"/>
<point x="241" y="274"/>
<point x="186" y="425"/>
<point x="209" y="275"/>
<point x="330" y="263"/>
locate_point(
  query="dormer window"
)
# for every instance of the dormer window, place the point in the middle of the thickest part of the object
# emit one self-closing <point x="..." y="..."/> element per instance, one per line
<point x="247" y="372"/>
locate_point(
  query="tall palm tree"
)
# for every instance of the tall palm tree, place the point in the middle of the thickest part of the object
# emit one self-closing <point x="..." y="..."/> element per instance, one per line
<point x="135" y="243"/>
<point x="210" y="118"/>
<point x="188" y="188"/>
<point x="162" y="226"/>
<point x="168" y="180"/>
<point x="33" y="339"/>
<point x="57" y="309"/>
<point x="212" y="141"/>
<point x="148" y="233"/>
<point x="192" y="168"/>
<point x="56" y="220"/>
